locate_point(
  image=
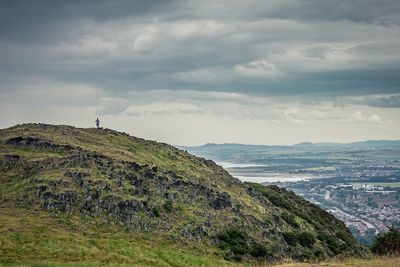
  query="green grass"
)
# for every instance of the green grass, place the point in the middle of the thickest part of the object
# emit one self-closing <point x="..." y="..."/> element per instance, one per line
<point x="36" y="238"/>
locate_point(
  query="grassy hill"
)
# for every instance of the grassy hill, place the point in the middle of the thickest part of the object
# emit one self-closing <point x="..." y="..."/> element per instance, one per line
<point x="73" y="195"/>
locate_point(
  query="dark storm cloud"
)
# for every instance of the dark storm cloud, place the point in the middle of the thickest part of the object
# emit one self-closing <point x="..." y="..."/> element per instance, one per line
<point x="43" y="20"/>
<point x="325" y="48"/>
<point x="365" y="11"/>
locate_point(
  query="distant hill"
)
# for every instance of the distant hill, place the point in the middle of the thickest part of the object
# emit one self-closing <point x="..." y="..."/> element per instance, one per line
<point x="362" y="144"/>
<point x="221" y="152"/>
<point x="235" y="146"/>
<point x="96" y="195"/>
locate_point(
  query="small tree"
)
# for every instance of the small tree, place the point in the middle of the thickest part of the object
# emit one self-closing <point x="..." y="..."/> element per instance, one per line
<point x="387" y="243"/>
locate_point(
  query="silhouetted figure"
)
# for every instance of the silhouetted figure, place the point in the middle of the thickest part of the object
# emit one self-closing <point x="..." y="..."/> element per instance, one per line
<point x="97" y="123"/>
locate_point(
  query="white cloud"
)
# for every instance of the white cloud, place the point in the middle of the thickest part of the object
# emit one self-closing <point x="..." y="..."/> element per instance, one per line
<point x="360" y="116"/>
<point x="257" y="69"/>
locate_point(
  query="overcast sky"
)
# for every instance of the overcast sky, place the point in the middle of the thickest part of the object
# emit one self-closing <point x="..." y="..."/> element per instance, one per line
<point x="192" y="72"/>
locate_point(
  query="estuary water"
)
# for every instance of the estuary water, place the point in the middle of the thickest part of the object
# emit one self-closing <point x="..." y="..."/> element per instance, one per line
<point x="262" y="177"/>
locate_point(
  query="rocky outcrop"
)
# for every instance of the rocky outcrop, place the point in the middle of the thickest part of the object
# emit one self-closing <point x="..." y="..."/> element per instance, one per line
<point x="221" y="201"/>
<point x="39" y="143"/>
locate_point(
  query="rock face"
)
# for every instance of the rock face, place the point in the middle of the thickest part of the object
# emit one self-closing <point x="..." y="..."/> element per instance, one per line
<point x="153" y="187"/>
<point x="37" y="143"/>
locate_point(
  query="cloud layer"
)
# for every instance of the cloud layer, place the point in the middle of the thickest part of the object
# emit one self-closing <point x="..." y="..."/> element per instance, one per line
<point x="288" y="64"/>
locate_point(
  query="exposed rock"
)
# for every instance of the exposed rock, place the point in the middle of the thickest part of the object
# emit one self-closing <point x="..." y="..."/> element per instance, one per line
<point x="38" y="143"/>
<point x="221" y="201"/>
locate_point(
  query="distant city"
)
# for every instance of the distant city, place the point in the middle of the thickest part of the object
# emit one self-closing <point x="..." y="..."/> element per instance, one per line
<point x="366" y="208"/>
<point x="358" y="182"/>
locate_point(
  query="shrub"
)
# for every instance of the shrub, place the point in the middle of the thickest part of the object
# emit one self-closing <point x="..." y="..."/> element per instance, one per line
<point x="279" y="200"/>
<point x="234" y="257"/>
<point x="305" y="256"/>
<point x="156" y="211"/>
<point x="232" y="234"/>
<point x="290" y="238"/>
<point x="235" y="241"/>
<point x="319" y="254"/>
<point x="238" y="243"/>
<point x="290" y="219"/>
<point x="387" y="243"/>
<point x="306" y="239"/>
<point x="239" y="248"/>
<point x="303" y="238"/>
<point x="331" y="243"/>
<point x="168" y="206"/>
<point x="258" y="251"/>
<point x="344" y="235"/>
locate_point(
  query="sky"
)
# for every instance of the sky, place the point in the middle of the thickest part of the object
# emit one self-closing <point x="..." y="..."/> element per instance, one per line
<point x="210" y="71"/>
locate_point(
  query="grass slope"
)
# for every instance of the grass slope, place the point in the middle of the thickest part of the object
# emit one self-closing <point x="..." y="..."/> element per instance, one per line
<point x="38" y="237"/>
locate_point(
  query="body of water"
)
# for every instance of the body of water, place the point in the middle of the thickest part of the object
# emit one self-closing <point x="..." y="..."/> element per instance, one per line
<point x="263" y="177"/>
<point x="227" y="165"/>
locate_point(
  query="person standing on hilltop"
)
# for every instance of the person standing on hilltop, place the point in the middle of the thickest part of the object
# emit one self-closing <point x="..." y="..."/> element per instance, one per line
<point x="97" y="123"/>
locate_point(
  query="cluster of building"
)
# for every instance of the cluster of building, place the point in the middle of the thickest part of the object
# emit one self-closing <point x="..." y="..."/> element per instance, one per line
<point x="368" y="208"/>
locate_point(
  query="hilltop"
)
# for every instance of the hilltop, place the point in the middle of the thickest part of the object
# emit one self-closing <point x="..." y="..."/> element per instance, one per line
<point x="97" y="195"/>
